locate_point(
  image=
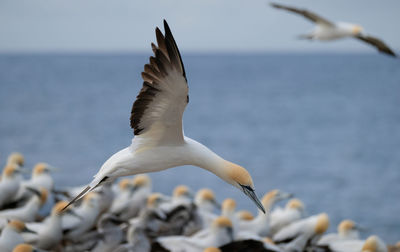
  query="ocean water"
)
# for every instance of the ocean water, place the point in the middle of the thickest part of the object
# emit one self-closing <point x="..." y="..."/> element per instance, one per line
<point x="323" y="126"/>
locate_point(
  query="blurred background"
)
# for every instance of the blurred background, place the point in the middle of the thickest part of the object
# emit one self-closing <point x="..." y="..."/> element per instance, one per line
<point x="321" y="120"/>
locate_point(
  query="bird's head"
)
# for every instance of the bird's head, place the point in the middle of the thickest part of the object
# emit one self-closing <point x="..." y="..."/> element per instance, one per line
<point x="11" y="170"/>
<point x="295" y="204"/>
<point x="206" y="195"/>
<point x="274" y="196"/>
<point x="228" y="206"/>
<point x="181" y="191"/>
<point x="322" y="223"/>
<point x="60" y="208"/>
<point x="18" y="226"/>
<point x="239" y="177"/>
<point x="245" y="215"/>
<point x="124" y="184"/>
<point x="223" y="223"/>
<point x="24" y="248"/>
<point x="154" y="200"/>
<point x="16" y="158"/>
<point x="141" y="180"/>
<point x="42" y="168"/>
<point x="357" y="29"/>
<point x="345" y="226"/>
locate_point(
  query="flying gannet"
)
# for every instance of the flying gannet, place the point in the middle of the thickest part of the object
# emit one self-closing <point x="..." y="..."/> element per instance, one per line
<point x="156" y="119"/>
<point x="326" y="30"/>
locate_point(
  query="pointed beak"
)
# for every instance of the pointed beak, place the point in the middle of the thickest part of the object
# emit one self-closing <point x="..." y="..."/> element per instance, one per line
<point x="252" y="195"/>
<point x="284" y="195"/>
<point x="53" y="169"/>
<point x="35" y="191"/>
<point x="27" y="230"/>
<point x="361" y="228"/>
<point x="216" y="204"/>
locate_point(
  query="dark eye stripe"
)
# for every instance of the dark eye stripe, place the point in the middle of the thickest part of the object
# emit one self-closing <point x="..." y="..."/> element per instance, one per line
<point x="247" y="187"/>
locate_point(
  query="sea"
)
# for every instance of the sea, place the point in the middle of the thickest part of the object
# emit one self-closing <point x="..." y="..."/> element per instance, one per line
<point x="324" y="126"/>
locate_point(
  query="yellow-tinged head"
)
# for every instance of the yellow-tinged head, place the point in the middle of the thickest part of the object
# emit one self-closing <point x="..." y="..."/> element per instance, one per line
<point x="17" y="225"/>
<point x="322" y="223"/>
<point x="295" y="204"/>
<point x="40" y="168"/>
<point x="181" y="190"/>
<point x="59" y="208"/>
<point x="239" y="177"/>
<point x="229" y="205"/>
<point x="16" y="158"/>
<point x="153" y="200"/>
<point x="206" y="194"/>
<point x="345" y="226"/>
<point x="245" y="215"/>
<point x="10" y="170"/>
<point x="212" y="249"/>
<point x="222" y="222"/>
<point x="24" y="248"/>
<point x="371" y="244"/>
<point x="357" y="29"/>
<point x="91" y="199"/>
<point x="269" y="197"/>
<point x="141" y="180"/>
<point x="124" y="184"/>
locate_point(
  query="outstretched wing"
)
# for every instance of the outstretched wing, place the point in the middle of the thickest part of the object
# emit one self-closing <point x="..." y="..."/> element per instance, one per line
<point x="379" y="44"/>
<point x="158" y="109"/>
<point x="307" y="14"/>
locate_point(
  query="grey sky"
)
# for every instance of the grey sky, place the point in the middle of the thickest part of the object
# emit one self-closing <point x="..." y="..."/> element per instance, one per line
<point x="204" y="25"/>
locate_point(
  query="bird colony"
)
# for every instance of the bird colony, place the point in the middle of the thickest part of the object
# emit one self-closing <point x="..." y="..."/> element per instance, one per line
<point x="129" y="216"/>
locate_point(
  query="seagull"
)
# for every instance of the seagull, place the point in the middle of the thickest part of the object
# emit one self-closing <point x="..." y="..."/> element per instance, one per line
<point x="156" y="118"/>
<point x="326" y="30"/>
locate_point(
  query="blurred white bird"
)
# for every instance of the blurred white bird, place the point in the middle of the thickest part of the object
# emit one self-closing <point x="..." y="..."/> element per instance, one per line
<point x="48" y="233"/>
<point x="326" y="30"/>
<point x="9" y="184"/>
<point x="259" y="226"/>
<point x="219" y="234"/>
<point x="156" y="118"/>
<point x="371" y="244"/>
<point x="11" y="235"/>
<point x="74" y="227"/>
<point x="293" y="211"/>
<point x="297" y="235"/>
<point x="29" y="211"/>
<point x="347" y="230"/>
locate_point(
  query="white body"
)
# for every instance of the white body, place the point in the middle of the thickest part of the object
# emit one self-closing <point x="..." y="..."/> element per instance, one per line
<point x="8" y="189"/>
<point x="26" y="213"/>
<point x="9" y="239"/>
<point x="48" y="233"/>
<point x="327" y="33"/>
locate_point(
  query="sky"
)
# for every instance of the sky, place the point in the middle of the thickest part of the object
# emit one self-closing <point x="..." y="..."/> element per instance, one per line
<point x="198" y="26"/>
